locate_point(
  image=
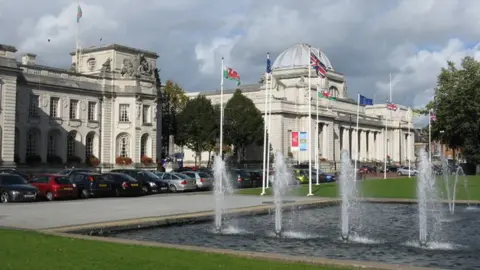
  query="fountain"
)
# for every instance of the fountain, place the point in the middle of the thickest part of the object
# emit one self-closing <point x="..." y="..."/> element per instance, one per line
<point x="222" y="186"/>
<point x="347" y="193"/>
<point x="429" y="205"/>
<point x="280" y="185"/>
<point x="451" y="182"/>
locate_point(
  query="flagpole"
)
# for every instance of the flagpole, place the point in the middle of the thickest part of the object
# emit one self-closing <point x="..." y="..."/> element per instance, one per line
<point x="386" y="132"/>
<point x="265" y="173"/>
<point x="316" y="128"/>
<point x="221" y="121"/>
<point x="356" y="135"/>
<point x="269" y="128"/>
<point x="77" y="57"/>
<point x="409" y="146"/>
<point x="430" y="135"/>
<point x="309" y="119"/>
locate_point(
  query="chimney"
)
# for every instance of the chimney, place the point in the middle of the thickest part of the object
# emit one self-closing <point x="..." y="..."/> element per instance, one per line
<point x="29" y="59"/>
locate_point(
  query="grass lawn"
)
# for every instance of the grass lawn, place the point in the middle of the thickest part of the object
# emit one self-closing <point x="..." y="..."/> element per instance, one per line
<point x="390" y="188"/>
<point x="26" y="250"/>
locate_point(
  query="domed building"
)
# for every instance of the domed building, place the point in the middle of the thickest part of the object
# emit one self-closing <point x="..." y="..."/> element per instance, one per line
<point x="336" y="126"/>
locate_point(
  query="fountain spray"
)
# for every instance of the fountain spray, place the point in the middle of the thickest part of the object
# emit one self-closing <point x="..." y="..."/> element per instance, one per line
<point x="222" y="186"/>
<point x="347" y="193"/>
<point x="282" y="177"/>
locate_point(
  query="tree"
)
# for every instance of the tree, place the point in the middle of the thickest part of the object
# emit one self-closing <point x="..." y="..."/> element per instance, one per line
<point x="457" y="107"/>
<point x="197" y="125"/>
<point x="173" y="101"/>
<point x="243" y="123"/>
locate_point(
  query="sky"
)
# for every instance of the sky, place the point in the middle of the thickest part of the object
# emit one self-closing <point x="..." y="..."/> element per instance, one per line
<point x="364" y="39"/>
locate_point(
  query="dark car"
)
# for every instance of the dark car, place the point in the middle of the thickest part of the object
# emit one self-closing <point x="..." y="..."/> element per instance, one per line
<point x="324" y="177"/>
<point x="91" y="184"/>
<point x="150" y="182"/>
<point x="13" y="171"/>
<point x="256" y="176"/>
<point x="123" y="184"/>
<point x="67" y="172"/>
<point x="14" y="188"/>
<point x="240" y="178"/>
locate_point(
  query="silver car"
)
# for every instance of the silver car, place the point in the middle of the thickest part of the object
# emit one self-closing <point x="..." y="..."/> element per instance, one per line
<point x="404" y="171"/>
<point x="203" y="179"/>
<point x="179" y="182"/>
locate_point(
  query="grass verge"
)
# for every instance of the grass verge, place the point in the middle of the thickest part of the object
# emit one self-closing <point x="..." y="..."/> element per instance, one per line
<point x="26" y="250"/>
<point x="404" y="188"/>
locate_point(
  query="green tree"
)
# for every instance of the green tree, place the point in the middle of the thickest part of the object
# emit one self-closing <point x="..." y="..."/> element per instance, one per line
<point x="457" y="106"/>
<point x="173" y="101"/>
<point x="243" y="124"/>
<point x="197" y="126"/>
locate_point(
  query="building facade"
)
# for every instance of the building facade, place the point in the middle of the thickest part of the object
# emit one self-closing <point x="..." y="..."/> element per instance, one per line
<point x="104" y="106"/>
<point x="382" y="133"/>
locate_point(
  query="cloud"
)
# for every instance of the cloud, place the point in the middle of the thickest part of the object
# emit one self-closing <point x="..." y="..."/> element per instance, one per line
<point x="364" y="39"/>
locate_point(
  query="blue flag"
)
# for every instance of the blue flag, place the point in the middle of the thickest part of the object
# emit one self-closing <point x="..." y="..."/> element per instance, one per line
<point x="269" y="65"/>
<point x="365" y="101"/>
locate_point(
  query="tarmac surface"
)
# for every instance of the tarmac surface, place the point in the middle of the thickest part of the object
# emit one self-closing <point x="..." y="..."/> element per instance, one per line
<point x="46" y="215"/>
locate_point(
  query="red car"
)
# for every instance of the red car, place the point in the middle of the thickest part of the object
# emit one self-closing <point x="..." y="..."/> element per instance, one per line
<point x="54" y="186"/>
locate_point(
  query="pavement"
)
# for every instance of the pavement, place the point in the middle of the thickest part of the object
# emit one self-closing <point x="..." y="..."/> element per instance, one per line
<point x="47" y="215"/>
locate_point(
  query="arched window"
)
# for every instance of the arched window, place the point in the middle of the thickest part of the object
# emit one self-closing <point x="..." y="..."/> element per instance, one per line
<point x="89" y="145"/>
<point x="71" y="144"/>
<point x="52" y="143"/>
<point x="32" y="143"/>
<point x="144" y="146"/>
<point x="123" y="145"/>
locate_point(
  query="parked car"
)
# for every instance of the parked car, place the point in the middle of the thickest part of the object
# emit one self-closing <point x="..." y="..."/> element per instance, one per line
<point x="239" y="178"/>
<point x="13" y="171"/>
<point x="204" y="180"/>
<point x="123" y="184"/>
<point x="54" y="186"/>
<point x="179" y="182"/>
<point x="390" y="168"/>
<point x="67" y="172"/>
<point x="14" y="188"/>
<point x="324" y="177"/>
<point x="257" y="177"/>
<point x="405" y="171"/>
<point x="150" y="182"/>
<point x="90" y="184"/>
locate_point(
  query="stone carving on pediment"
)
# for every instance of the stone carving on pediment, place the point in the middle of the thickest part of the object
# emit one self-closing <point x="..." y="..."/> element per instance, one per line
<point x="128" y="69"/>
<point x="73" y="67"/>
<point x="91" y="63"/>
<point x="107" y="66"/>
<point x="139" y="110"/>
<point x="144" y="68"/>
<point x="65" y="101"/>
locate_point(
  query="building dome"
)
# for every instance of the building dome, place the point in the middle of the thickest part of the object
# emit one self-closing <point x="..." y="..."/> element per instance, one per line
<point x="298" y="57"/>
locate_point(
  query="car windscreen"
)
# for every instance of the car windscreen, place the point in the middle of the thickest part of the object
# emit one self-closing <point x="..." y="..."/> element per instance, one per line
<point x="62" y="180"/>
<point x="124" y="177"/>
<point x="182" y="176"/>
<point x="151" y="175"/>
<point x="204" y="175"/>
<point x="13" y="180"/>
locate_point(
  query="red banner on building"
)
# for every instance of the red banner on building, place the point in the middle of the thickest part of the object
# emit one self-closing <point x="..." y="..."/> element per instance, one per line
<point x="294" y="144"/>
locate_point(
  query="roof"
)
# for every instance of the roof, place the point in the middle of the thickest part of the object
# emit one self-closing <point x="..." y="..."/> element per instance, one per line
<point x="120" y="48"/>
<point x="8" y="48"/>
<point x="298" y="56"/>
<point x="244" y="88"/>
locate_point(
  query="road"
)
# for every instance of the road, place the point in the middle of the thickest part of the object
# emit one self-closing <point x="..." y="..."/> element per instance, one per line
<point x="43" y="215"/>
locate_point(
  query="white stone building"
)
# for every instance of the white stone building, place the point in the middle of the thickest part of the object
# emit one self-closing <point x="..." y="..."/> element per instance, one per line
<point x="337" y="118"/>
<point x="103" y="106"/>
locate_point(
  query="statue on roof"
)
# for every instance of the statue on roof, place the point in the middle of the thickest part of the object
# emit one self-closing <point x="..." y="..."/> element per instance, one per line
<point x="144" y="68"/>
<point x="107" y="66"/>
<point x="127" y="68"/>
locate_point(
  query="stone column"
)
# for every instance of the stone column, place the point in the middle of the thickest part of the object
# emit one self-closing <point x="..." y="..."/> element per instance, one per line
<point x="371" y="145"/>
<point x="346" y="139"/>
<point x="326" y="139"/>
<point x="380" y="145"/>
<point x="363" y="145"/>
<point x="336" y="143"/>
<point x="354" y="143"/>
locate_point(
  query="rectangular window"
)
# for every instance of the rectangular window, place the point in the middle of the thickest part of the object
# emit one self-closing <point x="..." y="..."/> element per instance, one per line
<point x="54" y="107"/>
<point x="33" y="106"/>
<point x="124" y="115"/>
<point x="74" y="109"/>
<point x="146" y="114"/>
<point x="92" y="111"/>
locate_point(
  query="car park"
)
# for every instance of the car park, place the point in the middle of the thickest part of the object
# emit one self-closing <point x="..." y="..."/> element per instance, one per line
<point x="54" y="186"/>
<point x="150" y="182"/>
<point x="179" y="182"/>
<point x="91" y="185"/>
<point x="14" y="188"/>
<point x="203" y="180"/>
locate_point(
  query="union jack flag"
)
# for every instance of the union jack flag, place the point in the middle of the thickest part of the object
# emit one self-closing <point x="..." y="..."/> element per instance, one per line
<point x="319" y="67"/>
<point x="391" y="106"/>
<point x="433" y="117"/>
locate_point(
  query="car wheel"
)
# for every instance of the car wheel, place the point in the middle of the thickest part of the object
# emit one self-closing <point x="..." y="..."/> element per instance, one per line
<point x="117" y="192"/>
<point x="49" y="196"/>
<point x="84" y="194"/>
<point x="399" y="173"/>
<point x="173" y="188"/>
<point x="145" y="190"/>
<point x="4" y="198"/>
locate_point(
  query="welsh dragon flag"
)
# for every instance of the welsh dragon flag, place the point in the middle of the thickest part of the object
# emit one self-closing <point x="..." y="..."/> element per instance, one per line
<point x="326" y="94"/>
<point x="231" y="74"/>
